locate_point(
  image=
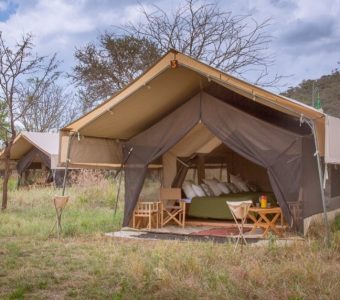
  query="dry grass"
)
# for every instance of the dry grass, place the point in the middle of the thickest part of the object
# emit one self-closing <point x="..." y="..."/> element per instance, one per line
<point x="86" y="265"/>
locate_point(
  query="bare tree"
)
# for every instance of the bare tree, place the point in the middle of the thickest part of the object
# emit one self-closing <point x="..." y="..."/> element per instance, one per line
<point x="53" y="107"/>
<point x="103" y="69"/>
<point x="3" y="122"/>
<point x="234" y="44"/>
<point x="17" y="64"/>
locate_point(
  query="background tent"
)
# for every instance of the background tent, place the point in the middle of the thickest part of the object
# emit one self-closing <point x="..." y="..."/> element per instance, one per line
<point x="37" y="150"/>
<point x="139" y="122"/>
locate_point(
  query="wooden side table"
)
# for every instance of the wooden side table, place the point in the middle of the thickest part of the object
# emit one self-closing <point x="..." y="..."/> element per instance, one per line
<point x="260" y="217"/>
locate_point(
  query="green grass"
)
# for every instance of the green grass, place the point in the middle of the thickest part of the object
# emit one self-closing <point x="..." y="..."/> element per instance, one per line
<point x="31" y="213"/>
<point x="84" y="264"/>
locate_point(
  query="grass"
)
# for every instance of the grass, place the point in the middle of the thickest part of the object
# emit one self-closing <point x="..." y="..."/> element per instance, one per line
<point x="84" y="264"/>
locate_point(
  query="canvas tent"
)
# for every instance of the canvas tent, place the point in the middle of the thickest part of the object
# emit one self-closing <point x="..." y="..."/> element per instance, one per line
<point x="37" y="150"/>
<point x="154" y="121"/>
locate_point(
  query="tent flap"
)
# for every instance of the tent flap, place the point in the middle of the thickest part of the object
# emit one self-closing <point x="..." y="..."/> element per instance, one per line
<point x="35" y="153"/>
<point x="88" y="151"/>
<point x="332" y="140"/>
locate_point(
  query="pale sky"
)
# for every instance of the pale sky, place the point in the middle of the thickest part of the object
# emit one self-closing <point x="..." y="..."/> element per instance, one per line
<point x="306" y="33"/>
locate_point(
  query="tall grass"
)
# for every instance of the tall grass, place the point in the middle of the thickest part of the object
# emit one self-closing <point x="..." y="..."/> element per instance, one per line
<point x="32" y="212"/>
<point x="84" y="264"/>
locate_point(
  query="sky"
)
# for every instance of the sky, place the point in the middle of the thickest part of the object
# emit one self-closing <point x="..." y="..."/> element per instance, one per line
<point x="305" y="33"/>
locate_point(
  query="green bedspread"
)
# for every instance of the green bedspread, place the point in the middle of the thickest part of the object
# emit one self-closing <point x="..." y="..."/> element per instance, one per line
<point x="216" y="207"/>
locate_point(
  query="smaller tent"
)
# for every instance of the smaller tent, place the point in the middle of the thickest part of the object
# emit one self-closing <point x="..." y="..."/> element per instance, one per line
<point x="37" y="151"/>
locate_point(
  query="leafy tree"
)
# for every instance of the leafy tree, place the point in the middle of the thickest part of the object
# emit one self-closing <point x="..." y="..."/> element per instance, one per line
<point x="103" y="69"/>
<point x="17" y="64"/>
<point x="328" y="88"/>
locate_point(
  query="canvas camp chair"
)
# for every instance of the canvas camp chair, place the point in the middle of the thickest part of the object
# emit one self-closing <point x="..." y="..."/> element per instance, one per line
<point x="172" y="206"/>
<point x="239" y="211"/>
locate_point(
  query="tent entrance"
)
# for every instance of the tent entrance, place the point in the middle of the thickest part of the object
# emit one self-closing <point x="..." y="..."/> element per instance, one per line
<point x="34" y="168"/>
<point x="286" y="155"/>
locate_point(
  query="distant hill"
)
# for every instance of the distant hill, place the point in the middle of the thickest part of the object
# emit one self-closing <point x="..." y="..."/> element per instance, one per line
<point x="329" y="88"/>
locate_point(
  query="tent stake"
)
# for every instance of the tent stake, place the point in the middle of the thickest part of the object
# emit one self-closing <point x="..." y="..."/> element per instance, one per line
<point x="318" y="158"/>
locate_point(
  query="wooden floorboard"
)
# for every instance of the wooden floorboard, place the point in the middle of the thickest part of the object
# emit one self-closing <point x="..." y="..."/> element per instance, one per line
<point x="214" y="223"/>
<point x="205" y="222"/>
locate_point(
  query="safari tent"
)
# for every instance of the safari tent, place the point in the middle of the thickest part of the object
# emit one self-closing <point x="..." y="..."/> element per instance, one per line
<point x="182" y="113"/>
<point x="37" y="151"/>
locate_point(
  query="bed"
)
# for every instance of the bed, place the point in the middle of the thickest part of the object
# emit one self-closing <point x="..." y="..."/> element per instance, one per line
<point x="216" y="207"/>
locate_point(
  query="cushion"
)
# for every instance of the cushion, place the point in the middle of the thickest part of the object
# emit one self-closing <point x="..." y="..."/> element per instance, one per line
<point x="213" y="186"/>
<point x="253" y="187"/>
<point x="239" y="182"/>
<point x="207" y="190"/>
<point x="199" y="192"/>
<point x="188" y="190"/>
<point x="223" y="187"/>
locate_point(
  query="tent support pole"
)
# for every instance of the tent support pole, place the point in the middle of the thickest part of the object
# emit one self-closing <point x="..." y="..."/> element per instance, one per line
<point x="119" y="172"/>
<point x="318" y="158"/>
<point x="67" y="162"/>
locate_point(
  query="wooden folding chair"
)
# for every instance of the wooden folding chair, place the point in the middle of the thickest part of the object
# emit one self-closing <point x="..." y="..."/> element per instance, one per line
<point x="239" y="211"/>
<point x="148" y="211"/>
<point x="172" y="206"/>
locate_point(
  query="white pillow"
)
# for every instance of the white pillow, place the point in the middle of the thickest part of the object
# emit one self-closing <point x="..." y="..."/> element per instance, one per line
<point x="253" y="187"/>
<point x="199" y="192"/>
<point x="223" y="187"/>
<point x="213" y="186"/>
<point x="233" y="188"/>
<point x="188" y="190"/>
<point x="207" y="189"/>
<point x="239" y="182"/>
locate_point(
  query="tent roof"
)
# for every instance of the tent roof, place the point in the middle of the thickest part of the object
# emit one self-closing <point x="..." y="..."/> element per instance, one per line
<point x="161" y="89"/>
<point x="46" y="142"/>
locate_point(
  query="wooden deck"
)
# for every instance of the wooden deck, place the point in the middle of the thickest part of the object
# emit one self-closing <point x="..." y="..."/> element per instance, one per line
<point x="212" y="223"/>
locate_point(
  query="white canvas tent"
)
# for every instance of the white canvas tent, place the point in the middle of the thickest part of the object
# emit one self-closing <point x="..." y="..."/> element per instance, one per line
<point x="36" y="150"/>
<point x="106" y="136"/>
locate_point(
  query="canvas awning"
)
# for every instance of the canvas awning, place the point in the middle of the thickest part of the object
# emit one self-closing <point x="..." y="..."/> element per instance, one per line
<point x="332" y="140"/>
<point x="158" y="92"/>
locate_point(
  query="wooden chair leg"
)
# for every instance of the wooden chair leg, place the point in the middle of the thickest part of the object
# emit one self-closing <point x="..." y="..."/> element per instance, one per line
<point x="150" y="220"/>
<point x="184" y="209"/>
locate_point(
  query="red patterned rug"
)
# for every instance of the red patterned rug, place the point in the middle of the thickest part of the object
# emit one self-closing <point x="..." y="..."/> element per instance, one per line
<point x="220" y="231"/>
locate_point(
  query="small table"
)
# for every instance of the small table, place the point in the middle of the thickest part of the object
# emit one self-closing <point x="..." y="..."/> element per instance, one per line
<point x="262" y="220"/>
